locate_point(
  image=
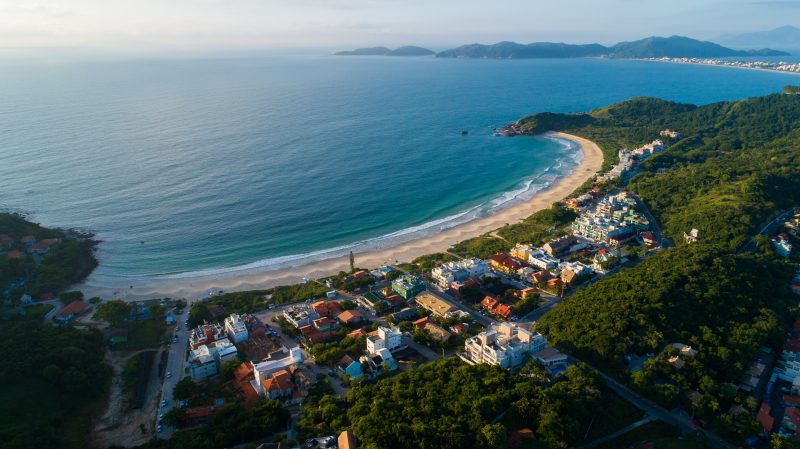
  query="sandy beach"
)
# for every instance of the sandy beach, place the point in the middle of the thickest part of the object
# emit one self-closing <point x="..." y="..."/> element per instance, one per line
<point x="189" y="287"/>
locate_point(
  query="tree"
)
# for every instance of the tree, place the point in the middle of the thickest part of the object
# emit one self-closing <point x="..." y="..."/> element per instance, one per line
<point x="199" y="314"/>
<point x="228" y="368"/>
<point x="114" y="311"/>
<point x="68" y="297"/>
<point x="174" y="417"/>
<point x="183" y="390"/>
<point x="495" y="436"/>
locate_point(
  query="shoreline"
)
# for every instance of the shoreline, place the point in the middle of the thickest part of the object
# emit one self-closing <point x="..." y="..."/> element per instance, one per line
<point x="589" y="165"/>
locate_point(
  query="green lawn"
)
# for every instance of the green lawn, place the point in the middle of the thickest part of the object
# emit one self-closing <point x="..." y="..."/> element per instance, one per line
<point x="142" y="335"/>
<point x="37" y="311"/>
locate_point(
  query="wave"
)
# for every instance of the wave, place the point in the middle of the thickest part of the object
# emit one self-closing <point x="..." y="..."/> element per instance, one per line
<point x="563" y="166"/>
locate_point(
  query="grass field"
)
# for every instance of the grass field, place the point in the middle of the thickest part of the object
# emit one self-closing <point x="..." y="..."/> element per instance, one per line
<point x="142" y="335"/>
<point x="37" y="311"/>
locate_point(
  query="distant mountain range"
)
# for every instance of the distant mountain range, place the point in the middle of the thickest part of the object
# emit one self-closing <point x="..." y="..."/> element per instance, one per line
<point x="783" y="38"/>
<point x="408" y="50"/>
<point x="651" y="47"/>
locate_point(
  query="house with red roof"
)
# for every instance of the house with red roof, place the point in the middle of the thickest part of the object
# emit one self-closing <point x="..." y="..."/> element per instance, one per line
<point x="278" y="385"/>
<point x="71" y="310"/>
<point x="27" y="240"/>
<point x="504" y="263"/>
<point x="350" y="317"/>
<point x="764" y="417"/>
<point x="495" y="307"/>
<point x="420" y="323"/>
<point x="14" y="254"/>
<point x="327" y="308"/>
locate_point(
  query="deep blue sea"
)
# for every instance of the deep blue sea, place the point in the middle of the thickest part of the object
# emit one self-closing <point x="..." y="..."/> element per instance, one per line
<point x="180" y="166"/>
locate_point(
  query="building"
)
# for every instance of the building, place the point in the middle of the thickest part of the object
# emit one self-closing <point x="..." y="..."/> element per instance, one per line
<point x="382" y="361"/>
<point x="542" y="260"/>
<point x="692" y="236"/>
<point x="346" y="440"/>
<point x="278" y="385"/>
<point x="386" y="338"/>
<point x="300" y="315"/>
<point x="458" y="271"/>
<point x="327" y="308"/>
<point x="504" y="263"/>
<point x="205" y="334"/>
<point x="236" y="328"/>
<point x="549" y="357"/>
<point x="522" y="251"/>
<point x="406" y="314"/>
<point x="668" y="133"/>
<point x="495" y="307"/>
<point x="437" y="332"/>
<point x="282" y="359"/>
<point x="560" y="245"/>
<point x="408" y="286"/>
<point x="202" y="364"/>
<point x="433" y="304"/>
<point x="70" y="311"/>
<point x="349" y="367"/>
<point x="205" y="360"/>
<point x="573" y="271"/>
<point x="782" y="245"/>
<point x="349" y="317"/>
<point x="504" y="344"/>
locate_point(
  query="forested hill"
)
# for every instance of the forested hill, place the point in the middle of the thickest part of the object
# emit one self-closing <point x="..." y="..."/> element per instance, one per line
<point x="736" y="165"/>
<point x="650" y="47"/>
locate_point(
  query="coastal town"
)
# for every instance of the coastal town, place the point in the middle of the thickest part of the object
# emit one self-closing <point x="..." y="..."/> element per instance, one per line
<point x="295" y="344"/>
<point x="780" y="66"/>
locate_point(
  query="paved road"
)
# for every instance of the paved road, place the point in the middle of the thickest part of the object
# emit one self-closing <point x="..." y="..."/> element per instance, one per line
<point x="176" y="359"/>
<point x="652" y="409"/>
<point x="750" y="246"/>
<point x="618" y="433"/>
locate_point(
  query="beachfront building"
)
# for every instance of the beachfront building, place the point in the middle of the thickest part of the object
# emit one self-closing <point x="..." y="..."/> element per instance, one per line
<point x="386" y="338"/>
<point x="649" y="149"/>
<point x="522" y="251"/>
<point x="408" y="286"/>
<point x="433" y="304"/>
<point x="458" y="271"/>
<point x="503" y="344"/>
<point x="236" y="328"/>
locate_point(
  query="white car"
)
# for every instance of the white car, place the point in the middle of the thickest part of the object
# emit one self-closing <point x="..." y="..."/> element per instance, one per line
<point x="159" y="429"/>
<point x="169" y="374"/>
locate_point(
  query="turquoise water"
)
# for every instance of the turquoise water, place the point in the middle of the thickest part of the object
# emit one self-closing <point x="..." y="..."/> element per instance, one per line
<point x="180" y="166"/>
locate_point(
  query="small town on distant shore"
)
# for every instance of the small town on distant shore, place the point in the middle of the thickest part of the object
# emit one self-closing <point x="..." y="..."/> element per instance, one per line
<point x="781" y="66"/>
<point x="179" y="366"/>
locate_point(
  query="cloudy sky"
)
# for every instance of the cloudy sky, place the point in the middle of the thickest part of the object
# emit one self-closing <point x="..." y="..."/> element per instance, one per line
<point x="214" y="25"/>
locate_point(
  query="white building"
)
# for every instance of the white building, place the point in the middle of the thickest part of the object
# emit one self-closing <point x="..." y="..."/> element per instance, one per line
<point x="549" y="357"/>
<point x="458" y="271"/>
<point x="580" y="269"/>
<point x="503" y="344"/>
<point x="205" y="334"/>
<point x="542" y="260"/>
<point x="205" y="360"/>
<point x="387" y="338"/>
<point x="202" y="364"/>
<point x="236" y="329"/>
<point x="276" y="361"/>
<point x="300" y="315"/>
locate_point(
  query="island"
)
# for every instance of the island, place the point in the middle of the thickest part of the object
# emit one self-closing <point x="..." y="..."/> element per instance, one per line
<point x="408" y="50"/>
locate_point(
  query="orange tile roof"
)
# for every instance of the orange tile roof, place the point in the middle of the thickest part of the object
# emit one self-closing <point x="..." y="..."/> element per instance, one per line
<point x="350" y="315"/>
<point x="764" y="417"/>
<point x="73" y="307"/>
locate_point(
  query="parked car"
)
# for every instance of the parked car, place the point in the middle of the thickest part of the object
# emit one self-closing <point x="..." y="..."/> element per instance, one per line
<point x="159" y="429"/>
<point x="169" y="374"/>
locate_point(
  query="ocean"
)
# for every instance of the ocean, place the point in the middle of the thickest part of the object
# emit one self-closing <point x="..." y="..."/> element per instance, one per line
<point x="189" y="166"/>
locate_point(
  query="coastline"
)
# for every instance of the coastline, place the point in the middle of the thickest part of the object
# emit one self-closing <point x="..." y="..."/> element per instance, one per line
<point x="590" y="163"/>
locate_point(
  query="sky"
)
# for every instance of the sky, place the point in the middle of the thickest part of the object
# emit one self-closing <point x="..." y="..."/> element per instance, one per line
<point x="154" y="26"/>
